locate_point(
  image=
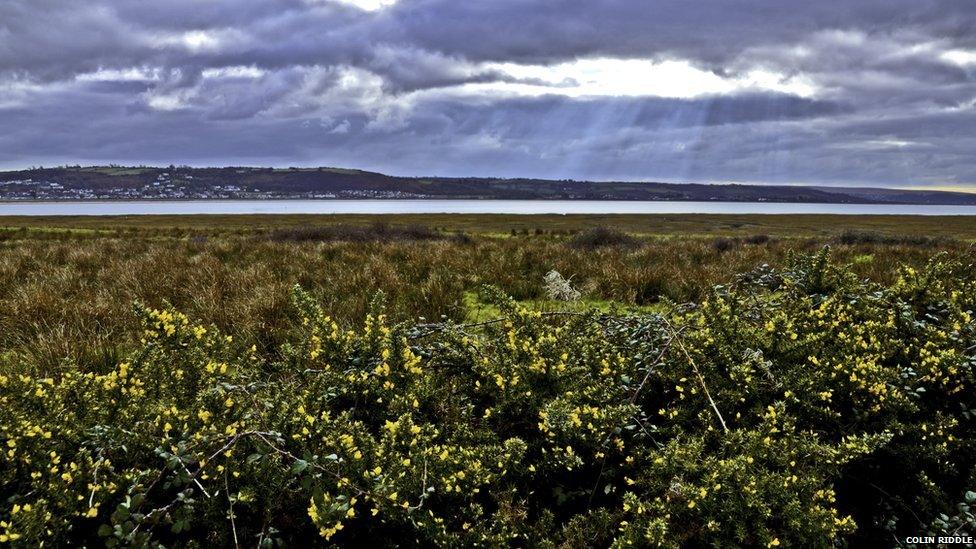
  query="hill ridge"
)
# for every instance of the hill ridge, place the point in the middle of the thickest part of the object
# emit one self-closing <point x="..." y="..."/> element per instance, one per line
<point x="242" y="182"/>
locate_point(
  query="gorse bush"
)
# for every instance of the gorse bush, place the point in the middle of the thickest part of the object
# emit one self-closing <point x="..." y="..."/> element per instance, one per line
<point x="800" y="406"/>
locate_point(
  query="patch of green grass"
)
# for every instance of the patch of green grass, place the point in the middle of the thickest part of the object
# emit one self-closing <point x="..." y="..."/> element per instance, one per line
<point x="477" y="310"/>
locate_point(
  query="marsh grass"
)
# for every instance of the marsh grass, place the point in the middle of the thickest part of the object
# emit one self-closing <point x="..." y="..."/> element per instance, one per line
<point x="602" y="237"/>
<point x="66" y="296"/>
<point x="376" y="232"/>
<point x="851" y="237"/>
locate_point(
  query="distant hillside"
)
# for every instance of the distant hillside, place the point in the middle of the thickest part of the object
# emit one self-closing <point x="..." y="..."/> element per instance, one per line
<point x="903" y="196"/>
<point x="114" y="182"/>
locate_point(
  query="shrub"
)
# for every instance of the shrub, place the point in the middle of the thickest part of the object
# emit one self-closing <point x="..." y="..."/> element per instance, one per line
<point x="799" y="407"/>
<point x="758" y="239"/>
<point x="602" y="237"/>
<point x="722" y="244"/>
<point x="377" y="232"/>
<point x="850" y="238"/>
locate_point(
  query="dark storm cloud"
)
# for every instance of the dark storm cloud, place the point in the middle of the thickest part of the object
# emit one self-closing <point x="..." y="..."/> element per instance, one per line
<point x="866" y="92"/>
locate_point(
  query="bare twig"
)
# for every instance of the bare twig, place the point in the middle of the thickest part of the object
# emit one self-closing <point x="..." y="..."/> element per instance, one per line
<point x="230" y="512"/>
<point x="701" y="379"/>
<point x="91" y="498"/>
<point x="193" y="477"/>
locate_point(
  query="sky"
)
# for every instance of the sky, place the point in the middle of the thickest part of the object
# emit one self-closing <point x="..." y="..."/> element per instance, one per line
<point x="831" y="92"/>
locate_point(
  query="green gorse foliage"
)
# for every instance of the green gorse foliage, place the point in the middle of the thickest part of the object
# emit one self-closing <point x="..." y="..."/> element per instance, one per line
<point x="801" y="406"/>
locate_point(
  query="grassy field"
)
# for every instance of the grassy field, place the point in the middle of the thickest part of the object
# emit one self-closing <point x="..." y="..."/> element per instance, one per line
<point x="710" y="381"/>
<point x="957" y="227"/>
<point x="67" y="285"/>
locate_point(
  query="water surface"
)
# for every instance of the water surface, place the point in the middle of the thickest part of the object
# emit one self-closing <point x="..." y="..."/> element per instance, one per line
<point x="160" y="207"/>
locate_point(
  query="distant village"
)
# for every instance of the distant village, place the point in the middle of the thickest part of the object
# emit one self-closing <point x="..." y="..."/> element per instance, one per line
<point x="113" y="182"/>
<point x="167" y="187"/>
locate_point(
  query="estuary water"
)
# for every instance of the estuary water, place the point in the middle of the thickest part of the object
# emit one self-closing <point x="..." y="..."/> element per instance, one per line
<point x="377" y="206"/>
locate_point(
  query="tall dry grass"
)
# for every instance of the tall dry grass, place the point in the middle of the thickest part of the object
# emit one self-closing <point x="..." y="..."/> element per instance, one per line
<point x="66" y="298"/>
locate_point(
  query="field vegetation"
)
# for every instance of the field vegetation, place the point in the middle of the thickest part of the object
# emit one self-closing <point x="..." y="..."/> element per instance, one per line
<point x="475" y="381"/>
